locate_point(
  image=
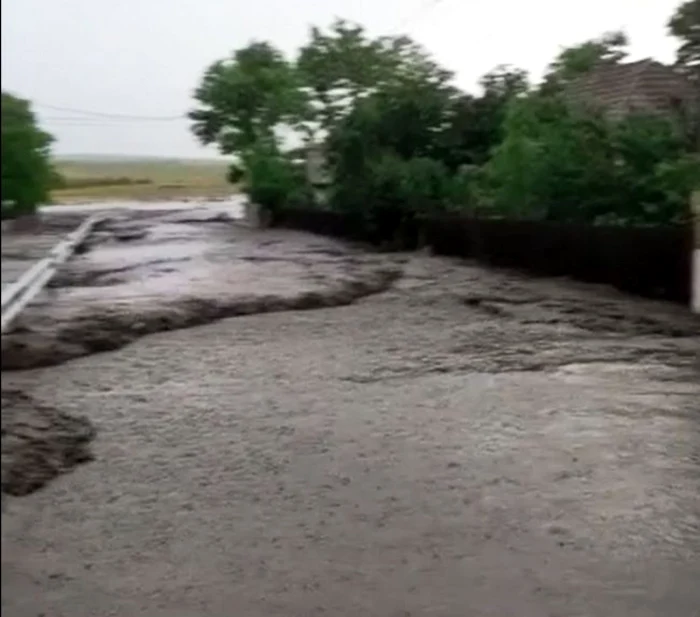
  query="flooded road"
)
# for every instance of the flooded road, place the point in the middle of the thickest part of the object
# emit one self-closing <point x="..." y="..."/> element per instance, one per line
<point x="156" y="270"/>
<point x="442" y="439"/>
<point x="21" y="250"/>
<point x="232" y="206"/>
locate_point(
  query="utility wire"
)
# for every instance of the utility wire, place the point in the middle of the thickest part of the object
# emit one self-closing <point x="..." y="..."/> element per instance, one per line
<point x="90" y="118"/>
<point x="112" y="116"/>
<point x="426" y="5"/>
<point x="83" y="121"/>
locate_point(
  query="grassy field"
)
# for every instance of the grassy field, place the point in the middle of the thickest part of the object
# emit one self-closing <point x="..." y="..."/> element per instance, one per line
<point x="98" y="179"/>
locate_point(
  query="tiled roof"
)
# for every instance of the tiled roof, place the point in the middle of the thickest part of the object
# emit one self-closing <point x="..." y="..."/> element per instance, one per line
<point x="645" y="85"/>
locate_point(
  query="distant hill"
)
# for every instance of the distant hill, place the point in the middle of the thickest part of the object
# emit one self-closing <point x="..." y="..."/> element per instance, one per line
<point x="117" y="158"/>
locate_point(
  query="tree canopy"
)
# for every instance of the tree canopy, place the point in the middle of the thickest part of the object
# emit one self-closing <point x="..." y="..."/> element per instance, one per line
<point x="242" y="99"/>
<point x="572" y="62"/>
<point x="400" y="139"/>
<point x="685" y="25"/>
<point x="26" y="167"/>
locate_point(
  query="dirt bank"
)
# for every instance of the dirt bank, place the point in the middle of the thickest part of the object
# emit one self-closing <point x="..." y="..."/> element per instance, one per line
<point x="147" y="272"/>
<point x="21" y="249"/>
<point x="39" y="443"/>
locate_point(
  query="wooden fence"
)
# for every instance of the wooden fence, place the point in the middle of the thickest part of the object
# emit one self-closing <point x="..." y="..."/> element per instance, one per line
<point x="695" y="275"/>
<point x="648" y="261"/>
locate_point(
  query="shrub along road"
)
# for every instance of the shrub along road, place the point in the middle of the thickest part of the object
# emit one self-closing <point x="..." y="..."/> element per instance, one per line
<point x="467" y="441"/>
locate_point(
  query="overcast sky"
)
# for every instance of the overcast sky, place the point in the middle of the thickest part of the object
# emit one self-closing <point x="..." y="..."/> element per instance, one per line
<point x="144" y="57"/>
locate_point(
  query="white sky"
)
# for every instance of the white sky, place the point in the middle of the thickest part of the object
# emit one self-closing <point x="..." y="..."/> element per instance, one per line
<point x="144" y="57"/>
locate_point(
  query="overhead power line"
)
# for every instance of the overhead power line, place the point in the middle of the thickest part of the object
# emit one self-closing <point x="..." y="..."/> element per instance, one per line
<point x="86" y="117"/>
<point x="425" y="7"/>
<point x="56" y="126"/>
<point x="85" y="114"/>
<point x="85" y="121"/>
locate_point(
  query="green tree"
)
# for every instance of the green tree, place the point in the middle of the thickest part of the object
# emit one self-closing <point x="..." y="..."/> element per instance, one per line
<point x="244" y="99"/>
<point x="272" y="180"/>
<point x="653" y="172"/>
<point x="563" y="164"/>
<point x="474" y="125"/>
<point x="381" y="105"/>
<point x="505" y="82"/>
<point x="385" y="157"/>
<point x="343" y="65"/>
<point x="572" y="62"/>
<point x="27" y="174"/>
<point x="405" y="117"/>
<point x="401" y="141"/>
<point x="685" y="25"/>
<point x="337" y="67"/>
<point x="403" y="147"/>
<point x="500" y="86"/>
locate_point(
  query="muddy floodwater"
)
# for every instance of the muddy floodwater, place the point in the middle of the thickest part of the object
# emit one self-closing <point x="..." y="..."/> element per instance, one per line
<point x="426" y="437"/>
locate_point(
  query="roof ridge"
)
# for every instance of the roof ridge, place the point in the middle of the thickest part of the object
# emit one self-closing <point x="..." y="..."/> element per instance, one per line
<point x="643" y="66"/>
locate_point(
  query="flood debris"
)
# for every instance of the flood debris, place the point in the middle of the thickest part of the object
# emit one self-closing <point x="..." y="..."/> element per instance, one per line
<point x="146" y="274"/>
<point x="39" y="443"/>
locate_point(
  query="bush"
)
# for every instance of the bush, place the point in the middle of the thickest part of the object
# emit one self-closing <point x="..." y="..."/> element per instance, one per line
<point x="273" y="181"/>
<point x="390" y="194"/>
<point x="562" y="164"/>
<point x="382" y="164"/>
<point x="235" y="174"/>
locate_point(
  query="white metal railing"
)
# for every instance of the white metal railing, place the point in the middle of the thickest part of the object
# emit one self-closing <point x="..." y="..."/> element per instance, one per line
<point x="20" y="293"/>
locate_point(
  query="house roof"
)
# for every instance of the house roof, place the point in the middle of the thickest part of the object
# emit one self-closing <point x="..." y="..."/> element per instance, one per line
<point x="622" y="84"/>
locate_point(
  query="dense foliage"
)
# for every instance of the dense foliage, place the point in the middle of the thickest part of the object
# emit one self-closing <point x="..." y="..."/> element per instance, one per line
<point x="242" y="99"/>
<point x="561" y="164"/>
<point x="27" y="175"/>
<point x="685" y="25"/>
<point x="400" y="141"/>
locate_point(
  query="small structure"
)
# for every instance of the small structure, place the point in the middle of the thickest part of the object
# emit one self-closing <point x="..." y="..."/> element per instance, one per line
<point x="317" y="171"/>
<point x="646" y="86"/>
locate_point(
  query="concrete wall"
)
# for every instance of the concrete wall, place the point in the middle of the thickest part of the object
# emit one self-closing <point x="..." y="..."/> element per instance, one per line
<point x="255" y="216"/>
<point x="251" y="214"/>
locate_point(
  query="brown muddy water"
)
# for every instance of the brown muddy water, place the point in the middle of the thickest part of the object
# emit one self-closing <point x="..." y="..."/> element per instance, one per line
<point x="435" y="438"/>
